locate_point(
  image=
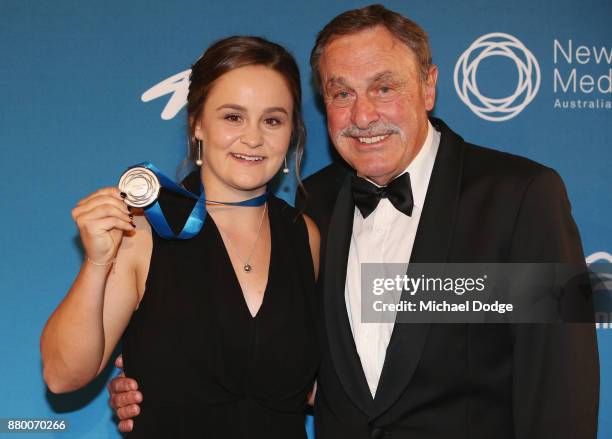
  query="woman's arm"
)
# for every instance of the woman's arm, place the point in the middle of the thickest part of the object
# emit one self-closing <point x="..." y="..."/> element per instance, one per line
<point x="81" y="334"/>
<point x="314" y="239"/>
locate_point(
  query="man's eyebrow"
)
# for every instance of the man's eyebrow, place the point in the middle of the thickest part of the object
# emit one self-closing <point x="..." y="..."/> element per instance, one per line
<point x="337" y="80"/>
<point x="243" y="109"/>
<point x="386" y="75"/>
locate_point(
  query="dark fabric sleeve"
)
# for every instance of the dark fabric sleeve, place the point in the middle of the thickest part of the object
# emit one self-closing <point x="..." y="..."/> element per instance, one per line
<point x="556" y="366"/>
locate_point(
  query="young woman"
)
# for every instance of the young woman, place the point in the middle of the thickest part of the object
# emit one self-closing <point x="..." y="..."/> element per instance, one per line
<point x="233" y="306"/>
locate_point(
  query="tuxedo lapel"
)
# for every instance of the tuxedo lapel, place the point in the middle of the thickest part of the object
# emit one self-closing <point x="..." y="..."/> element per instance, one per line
<point x="342" y="345"/>
<point x="432" y="243"/>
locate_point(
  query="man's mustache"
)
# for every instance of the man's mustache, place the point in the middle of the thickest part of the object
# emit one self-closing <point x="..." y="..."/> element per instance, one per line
<point x="376" y="129"/>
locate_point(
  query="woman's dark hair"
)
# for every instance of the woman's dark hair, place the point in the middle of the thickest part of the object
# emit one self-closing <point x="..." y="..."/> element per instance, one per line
<point x="241" y="51"/>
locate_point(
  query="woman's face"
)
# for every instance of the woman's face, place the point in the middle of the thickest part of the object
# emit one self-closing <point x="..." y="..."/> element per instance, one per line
<point x="245" y="129"/>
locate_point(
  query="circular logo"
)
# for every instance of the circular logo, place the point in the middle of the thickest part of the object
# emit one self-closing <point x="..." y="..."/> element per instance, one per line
<point x="497" y="109"/>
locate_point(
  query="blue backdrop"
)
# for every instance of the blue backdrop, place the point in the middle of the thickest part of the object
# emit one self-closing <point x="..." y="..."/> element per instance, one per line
<point x="79" y="104"/>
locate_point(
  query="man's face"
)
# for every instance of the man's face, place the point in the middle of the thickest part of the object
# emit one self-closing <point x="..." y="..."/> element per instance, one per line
<point x="376" y="102"/>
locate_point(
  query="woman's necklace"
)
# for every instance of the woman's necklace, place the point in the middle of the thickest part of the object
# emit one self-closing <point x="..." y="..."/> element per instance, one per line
<point x="247" y="267"/>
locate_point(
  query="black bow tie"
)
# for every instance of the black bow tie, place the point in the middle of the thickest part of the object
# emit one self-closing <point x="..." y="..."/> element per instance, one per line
<point x="367" y="195"/>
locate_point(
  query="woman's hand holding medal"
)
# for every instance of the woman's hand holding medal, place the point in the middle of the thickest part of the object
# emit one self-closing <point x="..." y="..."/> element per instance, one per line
<point x="102" y="218"/>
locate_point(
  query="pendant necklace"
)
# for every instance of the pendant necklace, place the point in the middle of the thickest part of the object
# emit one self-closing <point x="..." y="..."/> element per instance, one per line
<point x="247" y="267"/>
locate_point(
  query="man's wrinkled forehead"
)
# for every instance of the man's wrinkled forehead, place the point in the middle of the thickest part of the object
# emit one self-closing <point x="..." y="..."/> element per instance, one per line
<point x="341" y="81"/>
<point x="365" y="57"/>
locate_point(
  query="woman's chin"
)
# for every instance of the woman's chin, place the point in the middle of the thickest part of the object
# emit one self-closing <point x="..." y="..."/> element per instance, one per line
<point x="234" y="179"/>
<point x="250" y="185"/>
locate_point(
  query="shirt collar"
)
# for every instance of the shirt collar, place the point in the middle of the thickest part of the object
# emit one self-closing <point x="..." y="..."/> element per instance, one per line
<point x="421" y="166"/>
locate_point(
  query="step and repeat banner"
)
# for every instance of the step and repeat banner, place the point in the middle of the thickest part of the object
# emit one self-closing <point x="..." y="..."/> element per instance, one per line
<point x="90" y="87"/>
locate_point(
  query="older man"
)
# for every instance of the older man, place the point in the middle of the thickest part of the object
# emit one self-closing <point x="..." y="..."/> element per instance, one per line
<point x="442" y="200"/>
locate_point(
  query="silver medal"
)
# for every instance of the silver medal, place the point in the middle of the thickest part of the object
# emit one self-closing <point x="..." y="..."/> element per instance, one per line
<point x="141" y="186"/>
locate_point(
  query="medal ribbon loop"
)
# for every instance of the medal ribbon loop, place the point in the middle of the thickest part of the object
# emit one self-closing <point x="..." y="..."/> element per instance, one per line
<point x="196" y="218"/>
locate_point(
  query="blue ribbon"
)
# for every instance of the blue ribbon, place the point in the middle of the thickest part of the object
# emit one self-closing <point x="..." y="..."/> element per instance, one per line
<point x="198" y="214"/>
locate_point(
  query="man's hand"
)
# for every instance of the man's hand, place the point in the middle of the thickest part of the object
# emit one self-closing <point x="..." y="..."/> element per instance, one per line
<point x="124" y="398"/>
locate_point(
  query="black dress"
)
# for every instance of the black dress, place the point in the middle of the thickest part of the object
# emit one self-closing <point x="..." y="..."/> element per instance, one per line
<point x="205" y="366"/>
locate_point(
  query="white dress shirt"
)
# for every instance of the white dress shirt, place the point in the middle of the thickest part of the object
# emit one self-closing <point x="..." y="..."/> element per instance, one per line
<point x="385" y="236"/>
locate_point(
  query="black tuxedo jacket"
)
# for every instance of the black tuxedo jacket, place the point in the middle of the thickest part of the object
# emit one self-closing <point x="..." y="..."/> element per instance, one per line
<point x="442" y="381"/>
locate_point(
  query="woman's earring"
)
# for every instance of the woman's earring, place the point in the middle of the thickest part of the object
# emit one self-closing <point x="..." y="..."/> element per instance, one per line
<point x="199" y="158"/>
<point x="286" y="168"/>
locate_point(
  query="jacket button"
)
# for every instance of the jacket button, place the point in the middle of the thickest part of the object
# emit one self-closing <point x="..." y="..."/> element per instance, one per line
<point x="377" y="433"/>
